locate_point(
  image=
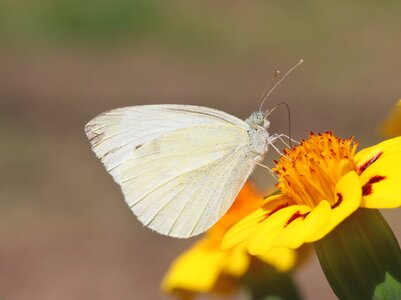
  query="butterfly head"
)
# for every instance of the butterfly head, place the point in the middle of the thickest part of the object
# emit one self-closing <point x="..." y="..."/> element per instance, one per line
<point x="258" y="119"/>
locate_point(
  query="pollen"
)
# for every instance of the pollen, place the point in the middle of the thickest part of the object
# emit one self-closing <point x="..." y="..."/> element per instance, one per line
<point x="309" y="172"/>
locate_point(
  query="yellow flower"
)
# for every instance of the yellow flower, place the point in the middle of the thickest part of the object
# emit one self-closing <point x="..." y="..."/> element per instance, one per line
<point x="322" y="182"/>
<point x="205" y="268"/>
<point x="392" y="126"/>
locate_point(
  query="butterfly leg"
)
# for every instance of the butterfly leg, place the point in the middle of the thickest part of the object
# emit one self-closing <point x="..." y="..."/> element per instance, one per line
<point x="270" y="170"/>
<point x="280" y="136"/>
<point x="274" y="138"/>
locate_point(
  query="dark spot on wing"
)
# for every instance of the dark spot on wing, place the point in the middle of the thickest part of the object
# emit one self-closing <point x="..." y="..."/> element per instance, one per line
<point x="110" y="152"/>
<point x="95" y="137"/>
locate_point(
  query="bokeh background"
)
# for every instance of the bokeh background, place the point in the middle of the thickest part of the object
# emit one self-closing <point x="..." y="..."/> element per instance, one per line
<point x="65" y="231"/>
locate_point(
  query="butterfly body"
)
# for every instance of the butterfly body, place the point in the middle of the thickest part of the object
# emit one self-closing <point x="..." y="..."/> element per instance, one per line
<point x="180" y="167"/>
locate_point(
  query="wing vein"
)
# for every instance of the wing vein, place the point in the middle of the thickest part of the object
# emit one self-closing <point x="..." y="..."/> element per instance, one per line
<point x="207" y="202"/>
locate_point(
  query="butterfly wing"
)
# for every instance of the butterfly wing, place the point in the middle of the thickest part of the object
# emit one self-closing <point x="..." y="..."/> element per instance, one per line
<point x="181" y="184"/>
<point x="116" y="133"/>
<point x="179" y="167"/>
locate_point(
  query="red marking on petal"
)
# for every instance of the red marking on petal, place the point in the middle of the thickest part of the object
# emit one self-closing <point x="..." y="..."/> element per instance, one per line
<point x="367" y="187"/>
<point x="296" y="216"/>
<point x="365" y="165"/>
<point x="338" y="202"/>
<point x="376" y="178"/>
<point x="273" y="211"/>
<point x="366" y="190"/>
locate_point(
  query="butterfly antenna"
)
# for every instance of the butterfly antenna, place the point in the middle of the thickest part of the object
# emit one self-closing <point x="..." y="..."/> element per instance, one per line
<point x="262" y="96"/>
<point x="278" y="82"/>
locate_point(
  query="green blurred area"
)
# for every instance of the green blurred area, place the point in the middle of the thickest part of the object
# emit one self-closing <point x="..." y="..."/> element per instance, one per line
<point x="66" y="232"/>
<point x="97" y="20"/>
<point x="179" y="23"/>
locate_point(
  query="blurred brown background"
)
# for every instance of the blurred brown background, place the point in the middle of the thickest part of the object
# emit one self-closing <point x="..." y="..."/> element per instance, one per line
<point x="65" y="230"/>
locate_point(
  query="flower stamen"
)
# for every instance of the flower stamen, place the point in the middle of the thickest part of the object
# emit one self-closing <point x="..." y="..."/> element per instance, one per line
<point x="312" y="169"/>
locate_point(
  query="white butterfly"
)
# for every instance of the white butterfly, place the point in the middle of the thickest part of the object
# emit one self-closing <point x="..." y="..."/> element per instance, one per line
<point x="180" y="167"/>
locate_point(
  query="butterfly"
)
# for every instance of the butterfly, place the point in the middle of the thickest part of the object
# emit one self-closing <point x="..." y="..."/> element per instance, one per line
<point x="180" y="167"/>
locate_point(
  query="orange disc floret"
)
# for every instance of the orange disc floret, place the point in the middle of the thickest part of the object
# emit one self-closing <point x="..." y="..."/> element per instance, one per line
<point x="309" y="172"/>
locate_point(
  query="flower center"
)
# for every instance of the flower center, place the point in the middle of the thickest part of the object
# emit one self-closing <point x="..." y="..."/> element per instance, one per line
<point x="309" y="172"/>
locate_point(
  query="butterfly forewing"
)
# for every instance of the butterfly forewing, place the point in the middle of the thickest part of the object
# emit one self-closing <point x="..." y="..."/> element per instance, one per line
<point x="116" y="133"/>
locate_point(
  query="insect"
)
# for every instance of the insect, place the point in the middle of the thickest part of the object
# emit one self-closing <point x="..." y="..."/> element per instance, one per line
<point x="180" y="167"/>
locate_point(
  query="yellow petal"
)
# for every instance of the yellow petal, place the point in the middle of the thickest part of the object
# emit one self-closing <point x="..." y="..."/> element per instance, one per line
<point x="198" y="269"/>
<point x="237" y="261"/>
<point x="282" y="259"/>
<point x="241" y="231"/>
<point x="260" y="242"/>
<point x="293" y="233"/>
<point x="368" y="156"/>
<point x="380" y="174"/>
<point x="303" y="225"/>
<point x="348" y="191"/>
<point x="392" y="126"/>
<point x="381" y="183"/>
<point x="316" y="220"/>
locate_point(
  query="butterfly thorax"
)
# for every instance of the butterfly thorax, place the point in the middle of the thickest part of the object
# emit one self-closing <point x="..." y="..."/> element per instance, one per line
<point x="258" y="135"/>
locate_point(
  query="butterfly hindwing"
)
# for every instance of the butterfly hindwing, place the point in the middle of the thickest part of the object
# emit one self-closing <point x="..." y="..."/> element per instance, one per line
<point x="182" y="183"/>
